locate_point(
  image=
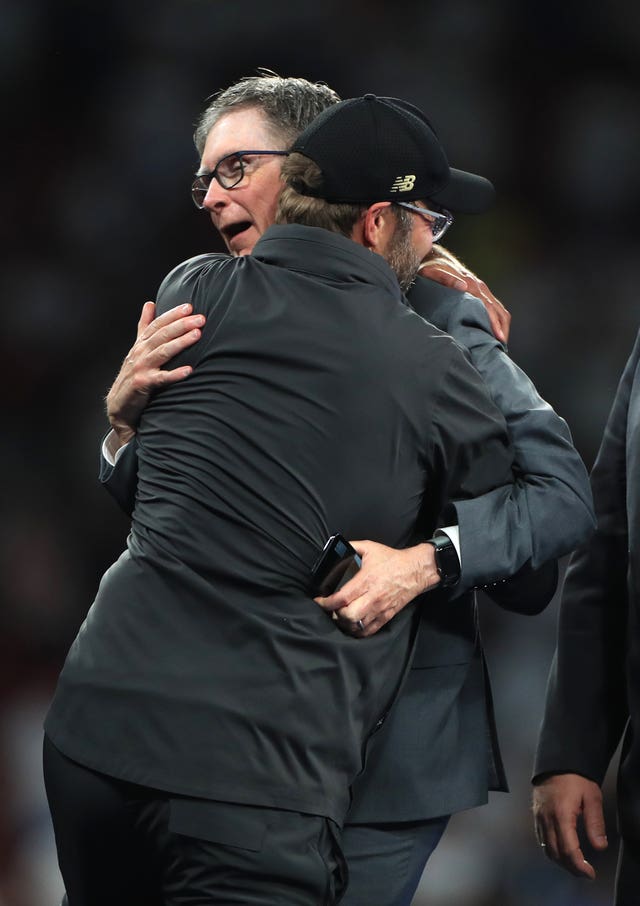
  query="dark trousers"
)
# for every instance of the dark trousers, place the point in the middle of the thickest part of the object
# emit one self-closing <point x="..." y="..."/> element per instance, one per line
<point x="386" y="861"/>
<point x="627" y="875"/>
<point x="121" y="843"/>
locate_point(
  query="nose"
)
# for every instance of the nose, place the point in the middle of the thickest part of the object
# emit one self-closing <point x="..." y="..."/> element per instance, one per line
<point x="216" y="197"/>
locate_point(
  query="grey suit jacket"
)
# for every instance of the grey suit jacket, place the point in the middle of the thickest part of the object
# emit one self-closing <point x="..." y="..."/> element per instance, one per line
<point x="594" y="683"/>
<point x="438" y="752"/>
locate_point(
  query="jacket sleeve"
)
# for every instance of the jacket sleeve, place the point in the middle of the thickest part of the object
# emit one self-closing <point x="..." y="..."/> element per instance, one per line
<point x="549" y="511"/>
<point x="121" y="479"/>
<point x="529" y="590"/>
<point x="586" y="704"/>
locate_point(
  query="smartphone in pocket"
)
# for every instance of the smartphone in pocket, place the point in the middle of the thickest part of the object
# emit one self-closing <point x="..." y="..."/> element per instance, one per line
<point x="337" y="563"/>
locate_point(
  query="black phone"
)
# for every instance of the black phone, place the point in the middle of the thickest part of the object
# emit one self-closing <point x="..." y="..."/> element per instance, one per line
<point x="337" y="563"/>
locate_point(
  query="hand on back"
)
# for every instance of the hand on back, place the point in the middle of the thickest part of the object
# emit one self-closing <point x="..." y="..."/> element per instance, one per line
<point x="158" y="340"/>
<point x="443" y="267"/>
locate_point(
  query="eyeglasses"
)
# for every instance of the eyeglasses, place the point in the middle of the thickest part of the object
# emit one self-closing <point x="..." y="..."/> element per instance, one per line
<point x="229" y="171"/>
<point x="440" y="221"/>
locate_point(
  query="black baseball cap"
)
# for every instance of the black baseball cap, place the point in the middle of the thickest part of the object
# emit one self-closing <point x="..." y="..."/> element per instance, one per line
<point x="383" y="149"/>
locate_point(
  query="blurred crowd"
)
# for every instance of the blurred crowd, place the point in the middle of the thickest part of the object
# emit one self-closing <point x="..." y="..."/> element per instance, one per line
<point x="100" y="101"/>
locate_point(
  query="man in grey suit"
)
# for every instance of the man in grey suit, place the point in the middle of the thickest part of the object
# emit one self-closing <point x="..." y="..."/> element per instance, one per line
<point x="417" y="772"/>
<point x="593" y="694"/>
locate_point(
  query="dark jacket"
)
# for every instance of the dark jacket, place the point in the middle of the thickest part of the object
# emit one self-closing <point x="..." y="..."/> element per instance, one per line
<point x="438" y="751"/>
<point x="593" y="693"/>
<point x="318" y="402"/>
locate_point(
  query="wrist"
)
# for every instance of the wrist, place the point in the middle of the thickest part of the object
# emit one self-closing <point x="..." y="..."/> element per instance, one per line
<point x="427" y="572"/>
<point x="446" y="560"/>
<point x="124" y="433"/>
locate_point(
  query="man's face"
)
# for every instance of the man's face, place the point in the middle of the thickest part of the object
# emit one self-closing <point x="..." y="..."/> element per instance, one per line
<point x="408" y="245"/>
<point x="243" y="213"/>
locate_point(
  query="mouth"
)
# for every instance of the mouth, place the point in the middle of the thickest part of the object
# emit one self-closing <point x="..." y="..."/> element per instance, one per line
<point x="231" y="230"/>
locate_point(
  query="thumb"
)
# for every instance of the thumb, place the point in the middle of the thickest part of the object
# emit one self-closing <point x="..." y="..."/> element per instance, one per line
<point x="594" y="823"/>
<point x="360" y="547"/>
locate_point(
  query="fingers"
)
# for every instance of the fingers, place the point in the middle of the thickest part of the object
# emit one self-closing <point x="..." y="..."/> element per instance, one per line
<point x="454" y="275"/>
<point x="169" y="376"/>
<point x="360" y="627"/>
<point x="167" y="317"/>
<point x="166" y="336"/>
<point x="146" y="317"/>
<point x="158" y="341"/>
<point x="358" y="616"/>
<point x="387" y="581"/>
<point x="170" y="324"/>
<point x="499" y="317"/>
<point x="340" y="599"/>
<point x="594" y="824"/>
<point x="348" y="615"/>
<point x="560" y="843"/>
<point x="559" y="802"/>
<point x="356" y="628"/>
<point x="440" y="273"/>
<point x="352" y="611"/>
<point x="169" y="347"/>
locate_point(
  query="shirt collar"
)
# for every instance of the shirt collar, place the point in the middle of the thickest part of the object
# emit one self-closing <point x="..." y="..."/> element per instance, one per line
<point x="325" y="254"/>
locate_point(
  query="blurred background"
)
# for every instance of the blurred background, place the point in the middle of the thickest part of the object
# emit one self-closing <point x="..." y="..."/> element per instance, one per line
<point x="99" y="105"/>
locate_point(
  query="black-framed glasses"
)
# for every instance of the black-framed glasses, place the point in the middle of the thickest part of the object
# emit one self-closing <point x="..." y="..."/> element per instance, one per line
<point x="229" y="171"/>
<point x="440" y="221"/>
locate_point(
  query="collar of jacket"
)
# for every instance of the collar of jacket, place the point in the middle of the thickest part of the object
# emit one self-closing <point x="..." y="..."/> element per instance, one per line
<point x="327" y="255"/>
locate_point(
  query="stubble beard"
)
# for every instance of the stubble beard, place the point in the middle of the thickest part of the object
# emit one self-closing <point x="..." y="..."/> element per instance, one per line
<point x="403" y="259"/>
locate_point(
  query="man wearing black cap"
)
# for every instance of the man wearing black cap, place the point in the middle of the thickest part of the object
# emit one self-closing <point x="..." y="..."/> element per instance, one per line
<point x="429" y="176"/>
<point x="438" y="752"/>
<point x="210" y="718"/>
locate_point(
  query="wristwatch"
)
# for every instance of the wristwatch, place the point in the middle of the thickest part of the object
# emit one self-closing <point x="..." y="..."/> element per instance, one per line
<point x="447" y="562"/>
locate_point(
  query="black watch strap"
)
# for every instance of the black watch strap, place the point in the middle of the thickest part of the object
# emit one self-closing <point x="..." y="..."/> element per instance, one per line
<point x="447" y="560"/>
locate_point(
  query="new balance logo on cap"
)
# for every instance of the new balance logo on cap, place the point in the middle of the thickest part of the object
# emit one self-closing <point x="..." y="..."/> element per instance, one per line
<point x="403" y="183"/>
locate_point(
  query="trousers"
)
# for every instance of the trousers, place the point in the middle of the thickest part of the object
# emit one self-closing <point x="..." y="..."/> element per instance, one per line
<point x="121" y="843"/>
<point x="386" y="861"/>
<point x="627" y="883"/>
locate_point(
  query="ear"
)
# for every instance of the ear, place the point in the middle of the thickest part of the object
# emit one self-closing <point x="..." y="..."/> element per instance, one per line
<point x="378" y="225"/>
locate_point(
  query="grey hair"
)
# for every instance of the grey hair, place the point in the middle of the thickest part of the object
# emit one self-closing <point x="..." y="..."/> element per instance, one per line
<point x="289" y="104"/>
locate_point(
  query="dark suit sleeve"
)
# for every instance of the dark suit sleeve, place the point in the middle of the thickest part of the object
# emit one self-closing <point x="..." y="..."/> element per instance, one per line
<point x="471" y="453"/>
<point x="121" y="479"/>
<point x="529" y="590"/>
<point x="550" y="510"/>
<point x="472" y="445"/>
<point x="586" y="706"/>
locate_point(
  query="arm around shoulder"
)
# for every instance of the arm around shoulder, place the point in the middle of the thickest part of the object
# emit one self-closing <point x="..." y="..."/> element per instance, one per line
<point x="549" y="512"/>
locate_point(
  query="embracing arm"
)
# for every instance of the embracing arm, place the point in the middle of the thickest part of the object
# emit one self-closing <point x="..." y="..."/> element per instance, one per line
<point x="549" y="512"/>
<point x="442" y="266"/>
<point x="119" y="471"/>
<point x="469" y="454"/>
<point x="142" y="372"/>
